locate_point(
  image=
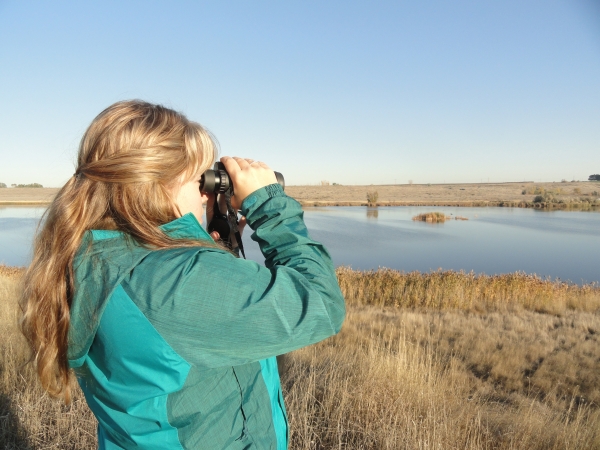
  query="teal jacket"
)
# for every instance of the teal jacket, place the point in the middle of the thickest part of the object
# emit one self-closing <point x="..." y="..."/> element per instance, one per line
<point x="176" y="348"/>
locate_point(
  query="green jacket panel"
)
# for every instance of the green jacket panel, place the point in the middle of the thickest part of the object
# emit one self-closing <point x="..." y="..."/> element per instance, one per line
<point x="126" y="386"/>
<point x="100" y="265"/>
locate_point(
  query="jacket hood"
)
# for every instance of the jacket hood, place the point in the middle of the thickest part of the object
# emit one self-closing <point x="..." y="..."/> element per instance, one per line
<point x="102" y="262"/>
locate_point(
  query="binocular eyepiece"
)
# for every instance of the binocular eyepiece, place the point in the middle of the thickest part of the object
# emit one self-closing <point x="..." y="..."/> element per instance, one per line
<point x="217" y="180"/>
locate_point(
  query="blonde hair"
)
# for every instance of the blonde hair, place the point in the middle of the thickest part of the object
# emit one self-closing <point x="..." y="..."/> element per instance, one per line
<point x="130" y="158"/>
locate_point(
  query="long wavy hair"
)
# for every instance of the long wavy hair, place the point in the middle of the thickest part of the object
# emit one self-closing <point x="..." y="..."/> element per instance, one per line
<point x="130" y="158"/>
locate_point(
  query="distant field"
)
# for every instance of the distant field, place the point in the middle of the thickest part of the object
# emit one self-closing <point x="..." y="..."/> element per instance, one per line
<point x="477" y="194"/>
<point x="26" y="196"/>
<point x="480" y="194"/>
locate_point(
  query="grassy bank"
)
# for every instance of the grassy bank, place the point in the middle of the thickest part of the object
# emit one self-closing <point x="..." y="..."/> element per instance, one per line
<point x="441" y="360"/>
<point x="572" y="195"/>
<point x="565" y="206"/>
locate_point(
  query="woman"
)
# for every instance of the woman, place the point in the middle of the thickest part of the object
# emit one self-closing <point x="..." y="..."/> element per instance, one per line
<point x="172" y="338"/>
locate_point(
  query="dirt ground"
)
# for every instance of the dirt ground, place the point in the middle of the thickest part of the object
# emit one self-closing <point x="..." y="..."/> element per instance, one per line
<point x="472" y="194"/>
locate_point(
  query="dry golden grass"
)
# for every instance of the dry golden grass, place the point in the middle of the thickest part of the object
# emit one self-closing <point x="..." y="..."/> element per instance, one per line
<point x="445" y="380"/>
<point x="466" y="291"/>
<point x="442" y="360"/>
<point x="29" y="419"/>
<point x="10" y="272"/>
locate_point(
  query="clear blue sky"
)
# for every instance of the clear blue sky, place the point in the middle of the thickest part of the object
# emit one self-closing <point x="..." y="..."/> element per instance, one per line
<point x="354" y="92"/>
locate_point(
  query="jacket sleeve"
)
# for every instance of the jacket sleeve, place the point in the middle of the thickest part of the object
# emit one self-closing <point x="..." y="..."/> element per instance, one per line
<point x="217" y="310"/>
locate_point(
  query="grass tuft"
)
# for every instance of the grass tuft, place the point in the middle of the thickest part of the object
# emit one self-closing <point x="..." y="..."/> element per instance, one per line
<point x="372" y="197"/>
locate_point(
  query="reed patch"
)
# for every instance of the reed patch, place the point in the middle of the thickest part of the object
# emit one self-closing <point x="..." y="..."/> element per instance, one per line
<point x="431" y="217"/>
<point x="441" y="290"/>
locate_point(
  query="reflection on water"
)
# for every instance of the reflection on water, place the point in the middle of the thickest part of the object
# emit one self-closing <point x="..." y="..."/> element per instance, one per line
<point x="372" y="213"/>
<point x="558" y="244"/>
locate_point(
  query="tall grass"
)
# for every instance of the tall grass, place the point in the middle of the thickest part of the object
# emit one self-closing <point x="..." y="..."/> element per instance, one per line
<point x="443" y="360"/>
<point x="407" y="380"/>
<point x="465" y="291"/>
<point x="29" y="419"/>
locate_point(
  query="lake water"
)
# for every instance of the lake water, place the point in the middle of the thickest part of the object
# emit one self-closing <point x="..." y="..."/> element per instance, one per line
<point x="17" y="227"/>
<point x="557" y="244"/>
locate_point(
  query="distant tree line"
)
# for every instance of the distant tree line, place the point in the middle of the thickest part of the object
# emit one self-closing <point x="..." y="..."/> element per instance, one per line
<point x="30" y="185"/>
<point x="595" y="177"/>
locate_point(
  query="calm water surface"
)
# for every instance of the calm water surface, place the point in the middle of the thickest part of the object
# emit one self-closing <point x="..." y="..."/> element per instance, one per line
<point x="557" y="244"/>
<point x="17" y="227"/>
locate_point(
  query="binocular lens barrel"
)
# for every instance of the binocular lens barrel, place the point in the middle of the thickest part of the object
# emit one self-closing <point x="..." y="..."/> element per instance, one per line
<point x="218" y="181"/>
<point x="214" y="181"/>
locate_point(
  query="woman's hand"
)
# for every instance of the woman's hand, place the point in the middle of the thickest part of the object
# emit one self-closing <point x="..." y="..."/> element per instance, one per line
<point x="247" y="176"/>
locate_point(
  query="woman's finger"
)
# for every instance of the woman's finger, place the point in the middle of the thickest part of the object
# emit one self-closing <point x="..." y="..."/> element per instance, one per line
<point x="241" y="224"/>
<point x="242" y="162"/>
<point x="232" y="166"/>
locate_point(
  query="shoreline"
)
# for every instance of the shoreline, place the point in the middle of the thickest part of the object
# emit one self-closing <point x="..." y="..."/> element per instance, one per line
<point x="25" y="202"/>
<point x="479" y="204"/>
<point x="324" y="204"/>
<point x="543" y="195"/>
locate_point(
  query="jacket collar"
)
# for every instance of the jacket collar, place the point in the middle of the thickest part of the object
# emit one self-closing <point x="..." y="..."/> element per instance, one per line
<point x="185" y="227"/>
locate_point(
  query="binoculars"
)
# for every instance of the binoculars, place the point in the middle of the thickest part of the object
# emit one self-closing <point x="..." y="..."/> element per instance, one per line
<point x="217" y="180"/>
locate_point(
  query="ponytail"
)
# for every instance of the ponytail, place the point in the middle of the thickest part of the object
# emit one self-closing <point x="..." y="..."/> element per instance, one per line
<point x="128" y="160"/>
<point x="49" y="282"/>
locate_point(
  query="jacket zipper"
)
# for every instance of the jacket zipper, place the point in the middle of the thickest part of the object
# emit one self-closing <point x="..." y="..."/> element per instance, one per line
<point x="244" y="431"/>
